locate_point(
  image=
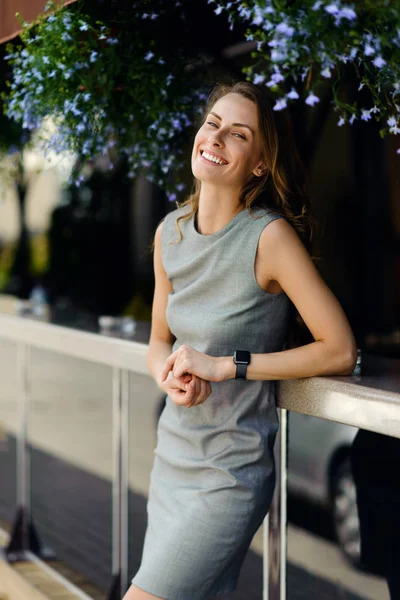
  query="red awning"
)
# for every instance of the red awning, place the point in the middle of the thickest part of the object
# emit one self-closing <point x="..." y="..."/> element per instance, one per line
<point x="28" y="9"/>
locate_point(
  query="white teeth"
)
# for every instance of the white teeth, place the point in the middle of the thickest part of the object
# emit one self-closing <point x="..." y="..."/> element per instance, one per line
<point x="212" y="158"/>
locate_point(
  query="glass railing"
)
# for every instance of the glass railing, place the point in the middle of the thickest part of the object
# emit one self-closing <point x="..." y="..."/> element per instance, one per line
<point x="78" y="420"/>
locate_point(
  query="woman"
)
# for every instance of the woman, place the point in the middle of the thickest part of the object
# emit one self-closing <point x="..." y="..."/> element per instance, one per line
<point x="228" y="270"/>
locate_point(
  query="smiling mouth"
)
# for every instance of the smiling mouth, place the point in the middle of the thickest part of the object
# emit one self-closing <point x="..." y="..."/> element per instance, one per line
<point x="212" y="159"/>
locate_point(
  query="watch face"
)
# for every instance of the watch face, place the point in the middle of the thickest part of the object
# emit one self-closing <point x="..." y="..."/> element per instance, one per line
<point x="242" y="356"/>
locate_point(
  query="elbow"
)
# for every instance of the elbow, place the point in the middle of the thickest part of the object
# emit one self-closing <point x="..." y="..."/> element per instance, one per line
<point x="348" y="358"/>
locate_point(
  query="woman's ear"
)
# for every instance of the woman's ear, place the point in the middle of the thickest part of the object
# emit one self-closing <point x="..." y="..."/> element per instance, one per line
<point x="259" y="171"/>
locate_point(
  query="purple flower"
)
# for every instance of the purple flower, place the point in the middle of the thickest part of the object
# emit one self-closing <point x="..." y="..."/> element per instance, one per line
<point x="379" y="62"/>
<point x="326" y="73"/>
<point x="365" y="115"/>
<point x="46" y="60"/>
<point x="93" y="56"/>
<point x="280" y="104"/>
<point x="348" y="13"/>
<point x="293" y="95"/>
<point x="149" y="56"/>
<point x="341" y="121"/>
<point x="258" y="79"/>
<point x="285" y="29"/>
<point x="312" y="99"/>
<point x="393" y="125"/>
<point x="277" y="77"/>
<point x="332" y="9"/>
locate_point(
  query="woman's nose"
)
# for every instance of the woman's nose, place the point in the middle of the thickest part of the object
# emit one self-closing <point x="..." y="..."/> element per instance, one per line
<point x="216" y="139"/>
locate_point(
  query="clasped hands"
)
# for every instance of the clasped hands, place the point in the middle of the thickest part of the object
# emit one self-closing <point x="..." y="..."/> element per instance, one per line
<point x="187" y="374"/>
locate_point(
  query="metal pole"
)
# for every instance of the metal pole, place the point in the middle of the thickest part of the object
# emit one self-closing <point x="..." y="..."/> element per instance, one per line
<point x="124" y="534"/>
<point x="284" y="420"/>
<point x="275" y="524"/>
<point x="265" y="558"/>
<point x="23" y="459"/>
<point x="116" y="480"/>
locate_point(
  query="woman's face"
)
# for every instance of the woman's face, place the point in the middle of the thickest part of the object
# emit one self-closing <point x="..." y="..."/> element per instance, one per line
<point x="227" y="147"/>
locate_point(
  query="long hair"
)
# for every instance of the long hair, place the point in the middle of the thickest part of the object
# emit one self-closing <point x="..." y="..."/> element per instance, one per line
<point x="283" y="187"/>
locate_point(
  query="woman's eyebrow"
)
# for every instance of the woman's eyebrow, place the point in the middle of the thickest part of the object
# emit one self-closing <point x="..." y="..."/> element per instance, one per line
<point x="233" y="124"/>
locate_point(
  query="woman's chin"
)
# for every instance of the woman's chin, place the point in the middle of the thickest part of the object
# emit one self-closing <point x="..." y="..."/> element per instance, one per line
<point x="205" y="174"/>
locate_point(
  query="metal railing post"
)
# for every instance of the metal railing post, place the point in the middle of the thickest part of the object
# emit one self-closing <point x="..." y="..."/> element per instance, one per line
<point x="275" y="524"/>
<point x="19" y="542"/>
<point x="120" y="483"/>
<point x="284" y="420"/>
<point x="124" y="510"/>
<point x="115" y="590"/>
<point x="23" y="459"/>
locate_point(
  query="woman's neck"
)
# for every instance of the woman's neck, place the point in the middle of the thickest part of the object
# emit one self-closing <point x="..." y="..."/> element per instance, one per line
<point x="216" y="208"/>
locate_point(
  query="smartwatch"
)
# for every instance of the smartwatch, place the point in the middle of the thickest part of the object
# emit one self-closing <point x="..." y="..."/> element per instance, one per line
<point x="241" y="358"/>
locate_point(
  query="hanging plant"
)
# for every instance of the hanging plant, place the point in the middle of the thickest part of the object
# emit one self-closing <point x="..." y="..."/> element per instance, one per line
<point x="303" y="43"/>
<point x="103" y="87"/>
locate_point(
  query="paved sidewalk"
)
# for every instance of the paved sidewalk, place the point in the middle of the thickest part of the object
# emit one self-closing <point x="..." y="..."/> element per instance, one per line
<point x="72" y="512"/>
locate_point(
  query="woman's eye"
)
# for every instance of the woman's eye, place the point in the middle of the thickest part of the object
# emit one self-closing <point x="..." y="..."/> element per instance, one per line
<point x="212" y="123"/>
<point x="239" y="135"/>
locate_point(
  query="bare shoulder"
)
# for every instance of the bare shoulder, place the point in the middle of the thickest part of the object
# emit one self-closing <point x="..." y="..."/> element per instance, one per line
<point x="279" y="233"/>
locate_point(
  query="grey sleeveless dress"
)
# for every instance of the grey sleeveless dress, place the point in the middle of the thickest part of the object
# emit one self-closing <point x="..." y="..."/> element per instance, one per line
<point x="213" y="474"/>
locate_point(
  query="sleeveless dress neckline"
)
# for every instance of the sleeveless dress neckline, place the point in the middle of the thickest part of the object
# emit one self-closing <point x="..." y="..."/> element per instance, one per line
<point x="221" y="231"/>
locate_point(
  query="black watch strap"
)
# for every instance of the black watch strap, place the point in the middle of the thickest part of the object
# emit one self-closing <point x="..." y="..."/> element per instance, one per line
<point x="241" y="370"/>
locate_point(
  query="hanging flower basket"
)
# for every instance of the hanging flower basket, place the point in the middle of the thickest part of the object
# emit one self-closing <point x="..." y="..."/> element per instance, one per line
<point x="302" y="44"/>
<point x="103" y="87"/>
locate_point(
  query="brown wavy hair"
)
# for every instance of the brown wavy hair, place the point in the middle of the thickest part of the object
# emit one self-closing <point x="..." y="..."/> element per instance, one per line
<point x="283" y="188"/>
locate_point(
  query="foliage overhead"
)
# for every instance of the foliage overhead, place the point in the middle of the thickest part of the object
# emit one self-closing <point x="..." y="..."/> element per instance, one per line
<point x="104" y="86"/>
<point x="303" y="43"/>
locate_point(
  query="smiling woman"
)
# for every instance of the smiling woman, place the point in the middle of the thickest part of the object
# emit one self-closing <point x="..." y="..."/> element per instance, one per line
<point x="276" y="179"/>
<point x="222" y="311"/>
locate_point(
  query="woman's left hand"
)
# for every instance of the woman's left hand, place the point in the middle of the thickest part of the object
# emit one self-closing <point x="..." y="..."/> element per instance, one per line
<point x="188" y="360"/>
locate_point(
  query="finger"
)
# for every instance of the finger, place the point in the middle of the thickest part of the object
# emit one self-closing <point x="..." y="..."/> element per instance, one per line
<point x="197" y="382"/>
<point x="203" y="393"/>
<point x="183" y="368"/>
<point x="168" y="366"/>
<point x="191" y="392"/>
<point x="180" y="382"/>
<point x="197" y="391"/>
<point x="178" y="396"/>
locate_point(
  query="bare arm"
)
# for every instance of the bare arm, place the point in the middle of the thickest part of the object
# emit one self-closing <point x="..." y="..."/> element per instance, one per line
<point x="186" y="390"/>
<point x="161" y="339"/>
<point x="334" y="350"/>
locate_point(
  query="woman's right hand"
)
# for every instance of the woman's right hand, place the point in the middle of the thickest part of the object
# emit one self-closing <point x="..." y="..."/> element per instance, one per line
<point x="187" y="390"/>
